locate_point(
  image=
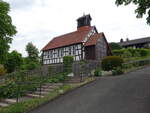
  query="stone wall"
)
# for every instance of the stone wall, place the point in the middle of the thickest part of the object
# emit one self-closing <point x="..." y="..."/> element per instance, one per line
<point x="78" y="68"/>
<point x="52" y="69"/>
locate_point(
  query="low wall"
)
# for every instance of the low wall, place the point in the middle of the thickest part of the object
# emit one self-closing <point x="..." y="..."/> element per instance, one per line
<point x="52" y="69"/>
<point x="78" y="68"/>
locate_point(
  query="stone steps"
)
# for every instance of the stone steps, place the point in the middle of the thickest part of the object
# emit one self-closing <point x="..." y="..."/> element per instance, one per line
<point x="9" y="101"/>
<point x="51" y="86"/>
<point x="74" y="80"/>
<point x="3" y="104"/>
<point x="34" y="95"/>
<point x="42" y="92"/>
<point x="45" y="89"/>
<point x="54" y="84"/>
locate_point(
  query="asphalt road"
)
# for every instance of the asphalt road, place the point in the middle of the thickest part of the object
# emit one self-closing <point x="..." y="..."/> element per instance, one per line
<point x="129" y="93"/>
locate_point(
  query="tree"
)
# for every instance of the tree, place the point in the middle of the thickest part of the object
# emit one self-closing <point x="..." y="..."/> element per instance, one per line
<point x="143" y="7"/>
<point x="32" y="52"/>
<point x="32" y="61"/>
<point x="114" y="46"/>
<point x="14" y="61"/>
<point x="7" y="30"/>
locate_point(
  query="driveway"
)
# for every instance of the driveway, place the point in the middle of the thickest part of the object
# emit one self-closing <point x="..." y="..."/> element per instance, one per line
<point x="129" y="93"/>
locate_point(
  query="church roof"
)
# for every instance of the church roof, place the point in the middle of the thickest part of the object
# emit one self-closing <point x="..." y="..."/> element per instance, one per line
<point x="74" y="38"/>
<point x="93" y="40"/>
<point x="68" y="39"/>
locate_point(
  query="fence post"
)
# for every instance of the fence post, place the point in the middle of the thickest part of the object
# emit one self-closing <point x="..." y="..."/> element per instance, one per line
<point x="40" y="89"/>
<point x="18" y="92"/>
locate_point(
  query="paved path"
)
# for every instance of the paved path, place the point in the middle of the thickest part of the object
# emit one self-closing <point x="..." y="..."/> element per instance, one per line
<point x="129" y="93"/>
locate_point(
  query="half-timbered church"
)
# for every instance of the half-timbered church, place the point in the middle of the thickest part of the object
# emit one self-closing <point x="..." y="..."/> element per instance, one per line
<point x="83" y="44"/>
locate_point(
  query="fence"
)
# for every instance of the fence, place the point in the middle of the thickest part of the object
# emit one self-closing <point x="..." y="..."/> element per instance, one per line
<point x="17" y="84"/>
<point x="136" y="63"/>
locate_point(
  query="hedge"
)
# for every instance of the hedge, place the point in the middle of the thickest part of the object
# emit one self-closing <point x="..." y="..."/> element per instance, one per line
<point x="110" y="62"/>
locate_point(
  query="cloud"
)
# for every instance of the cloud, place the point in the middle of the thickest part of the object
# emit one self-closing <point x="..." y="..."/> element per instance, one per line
<point x="21" y="40"/>
<point x="38" y="21"/>
<point x="24" y="4"/>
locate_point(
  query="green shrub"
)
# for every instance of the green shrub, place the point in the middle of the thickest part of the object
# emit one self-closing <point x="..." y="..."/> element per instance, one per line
<point x="14" y="61"/>
<point x="114" y="46"/>
<point x="32" y="66"/>
<point x="136" y="54"/>
<point x="117" y="71"/>
<point x="2" y="70"/>
<point x="143" y="52"/>
<point x="131" y="52"/>
<point x="127" y="65"/>
<point x="68" y="61"/>
<point x="98" y="72"/>
<point x="61" y="77"/>
<point x="126" y="54"/>
<point x="118" y="52"/>
<point x="8" y="90"/>
<point x="110" y="62"/>
<point x="12" y="89"/>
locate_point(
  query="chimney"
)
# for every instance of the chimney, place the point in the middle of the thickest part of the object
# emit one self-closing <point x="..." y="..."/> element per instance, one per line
<point x="121" y="40"/>
<point x="127" y="39"/>
<point x="83" y="21"/>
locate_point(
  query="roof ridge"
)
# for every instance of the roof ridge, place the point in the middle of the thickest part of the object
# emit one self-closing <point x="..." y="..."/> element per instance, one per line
<point x="136" y="39"/>
<point x="71" y="33"/>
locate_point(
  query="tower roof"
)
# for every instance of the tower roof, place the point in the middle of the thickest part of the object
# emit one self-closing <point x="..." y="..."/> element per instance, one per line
<point x="85" y="20"/>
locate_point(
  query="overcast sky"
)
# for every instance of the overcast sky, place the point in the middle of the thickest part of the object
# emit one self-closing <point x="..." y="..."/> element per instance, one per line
<point x="38" y="21"/>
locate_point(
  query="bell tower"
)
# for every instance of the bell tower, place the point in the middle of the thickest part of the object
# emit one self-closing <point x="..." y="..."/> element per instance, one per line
<point x="85" y="20"/>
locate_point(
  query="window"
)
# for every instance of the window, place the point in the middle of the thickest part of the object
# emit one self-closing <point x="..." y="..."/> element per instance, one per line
<point x="77" y="58"/>
<point x="79" y="46"/>
<point x="62" y="52"/>
<point x="74" y="58"/>
<point x="50" y="61"/>
<point x="47" y="61"/>
<point x="67" y="53"/>
<point x="70" y="48"/>
<point x="44" y="62"/>
<point x="83" y="55"/>
<point x="61" y="60"/>
<point x="74" y="50"/>
<point x="59" y="53"/>
<point x="79" y="51"/>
